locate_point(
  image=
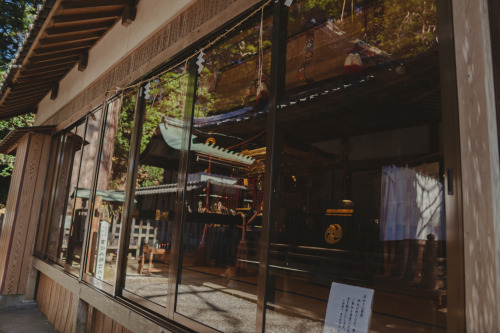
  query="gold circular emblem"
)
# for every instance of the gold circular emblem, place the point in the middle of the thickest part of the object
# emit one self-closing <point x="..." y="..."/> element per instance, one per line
<point x="210" y="140"/>
<point x="333" y="234"/>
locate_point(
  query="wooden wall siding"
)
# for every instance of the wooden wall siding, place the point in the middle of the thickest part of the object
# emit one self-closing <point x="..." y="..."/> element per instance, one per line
<point x="56" y="303"/>
<point x="10" y="211"/>
<point x="97" y="322"/>
<point x="198" y="20"/>
<point x="23" y="208"/>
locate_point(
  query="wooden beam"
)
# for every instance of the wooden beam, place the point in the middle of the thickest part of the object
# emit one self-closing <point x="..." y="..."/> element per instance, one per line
<point x="6" y="115"/>
<point x="73" y="37"/>
<point x="128" y="15"/>
<point x="60" y="70"/>
<point x="83" y="61"/>
<point x="104" y="25"/>
<point x="88" y="17"/>
<point x="22" y="106"/>
<point x="85" y="44"/>
<point x="53" y="56"/>
<point x="24" y="101"/>
<point x="54" y="91"/>
<point x="94" y="3"/>
<point x="25" y="97"/>
<point x="28" y="86"/>
<point x="50" y="64"/>
<point x="44" y="78"/>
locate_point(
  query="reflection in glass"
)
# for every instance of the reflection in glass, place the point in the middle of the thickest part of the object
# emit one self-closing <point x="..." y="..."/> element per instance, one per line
<point x="361" y="200"/>
<point x="156" y="188"/>
<point x="222" y="228"/>
<point x="76" y="157"/>
<point x="106" y="218"/>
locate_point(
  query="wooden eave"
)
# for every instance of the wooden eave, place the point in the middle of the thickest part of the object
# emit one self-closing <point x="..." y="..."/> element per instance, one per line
<point x="9" y="144"/>
<point x="64" y="32"/>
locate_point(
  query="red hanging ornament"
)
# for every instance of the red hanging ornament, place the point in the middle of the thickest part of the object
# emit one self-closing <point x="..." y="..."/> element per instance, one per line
<point x="353" y="64"/>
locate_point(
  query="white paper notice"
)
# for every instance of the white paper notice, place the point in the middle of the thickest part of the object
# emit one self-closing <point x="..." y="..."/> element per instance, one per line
<point x="349" y="309"/>
<point x="101" y="250"/>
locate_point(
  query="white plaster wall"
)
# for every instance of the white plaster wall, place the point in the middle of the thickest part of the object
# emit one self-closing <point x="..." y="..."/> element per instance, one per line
<point x="152" y="15"/>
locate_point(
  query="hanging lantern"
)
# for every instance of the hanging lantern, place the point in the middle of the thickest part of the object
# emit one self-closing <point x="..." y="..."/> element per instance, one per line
<point x="353" y="64"/>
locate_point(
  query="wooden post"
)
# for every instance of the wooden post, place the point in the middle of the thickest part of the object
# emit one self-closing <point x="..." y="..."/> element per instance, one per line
<point x="479" y="151"/>
<point x="22" y="213"/>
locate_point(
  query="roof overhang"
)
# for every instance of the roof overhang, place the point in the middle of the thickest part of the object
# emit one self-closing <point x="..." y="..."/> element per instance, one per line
<point x="9" y="144"/>
<point x="61" y="36"/>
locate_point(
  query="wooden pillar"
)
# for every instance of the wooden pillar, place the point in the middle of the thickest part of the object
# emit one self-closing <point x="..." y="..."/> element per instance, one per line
<point x="22" y="213"/>
<point x="480" y="165"/>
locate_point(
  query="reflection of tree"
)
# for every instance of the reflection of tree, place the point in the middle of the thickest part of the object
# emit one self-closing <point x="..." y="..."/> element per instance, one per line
<point x="402" y="28"/>
<point x="122" y="141"/>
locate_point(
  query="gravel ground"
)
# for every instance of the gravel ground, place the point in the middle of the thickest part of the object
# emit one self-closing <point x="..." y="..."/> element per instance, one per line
<point x="213" y="304"/>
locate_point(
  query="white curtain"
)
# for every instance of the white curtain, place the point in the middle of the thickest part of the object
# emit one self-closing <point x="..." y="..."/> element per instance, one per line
<point x="412" y="205"/>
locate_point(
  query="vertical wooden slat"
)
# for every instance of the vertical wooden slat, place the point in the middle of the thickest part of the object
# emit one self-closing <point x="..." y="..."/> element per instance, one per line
<point x="107" y="325"/>
<point x="73" y="308"/>
<point x="117" y="328"/>
<point x="62" y="312"/>
<point x="35" y="209"/>
<point x="90" y="319"/>
<point x="19" y="245"/>
<point x="99" y="323"/>
<point x="10" y="212"/>
<point x="53" y="302"/>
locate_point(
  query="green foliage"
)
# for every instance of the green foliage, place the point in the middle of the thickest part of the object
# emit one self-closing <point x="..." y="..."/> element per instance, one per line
<point x="7" y="161"/>
<point x="15" y="18"/>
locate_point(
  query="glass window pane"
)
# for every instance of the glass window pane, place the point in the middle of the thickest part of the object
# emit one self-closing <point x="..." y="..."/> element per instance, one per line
<point x="80" y="194"/>
<point x="156" y="188"/>
<point x="63" y="202"/>
<point x="222" y="229"/>
<point x="361" y="190"/>
<point x="76" y="155"/>
<point x="110" y="195"/>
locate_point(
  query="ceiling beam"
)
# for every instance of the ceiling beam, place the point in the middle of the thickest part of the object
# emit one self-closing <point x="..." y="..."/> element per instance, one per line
<point x="104" y="25"/>
<point x="85" y="44"/>
<point x="73" y="37"/>
<point x="58" y="55"/>
<point x="44" y="78"/>
<point x="95" y="3"/>
<point x="17" y="113"/>
<point x="114" y="14"/>
<point x="50" y="64"/>
<point x="61" y="69"/>
<point x="30" y="88"/>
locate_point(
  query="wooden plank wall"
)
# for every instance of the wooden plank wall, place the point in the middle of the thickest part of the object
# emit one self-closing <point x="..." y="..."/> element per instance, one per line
<point x="56" y="303"/>
<point x="97" y="322"/>
<point x="22" y="213"/>
<point x="59" y="305"/>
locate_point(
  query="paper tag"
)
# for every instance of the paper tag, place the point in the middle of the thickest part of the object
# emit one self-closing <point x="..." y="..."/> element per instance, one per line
<point x="349" y="309"/>
<point x="101" y="250"/>
<point x="288" y="3"/>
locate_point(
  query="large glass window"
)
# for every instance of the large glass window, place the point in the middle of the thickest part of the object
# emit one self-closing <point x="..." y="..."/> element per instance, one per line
<point x="225" y="183"/>
<point x="356" y="195"/>
<point x="76" y="156"/>
<point x="156" y="189"/>
<point x="361" y="199"/>
<point x="106" y="220"/>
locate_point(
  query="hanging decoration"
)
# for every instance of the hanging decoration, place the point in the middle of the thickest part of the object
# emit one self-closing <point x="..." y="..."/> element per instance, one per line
<point x="147" y="89"/>
<point x="200" y="61"/>
<point x="288" y="3"/>
<point x="353" y="64"/>
<point x="262" y="97"/>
